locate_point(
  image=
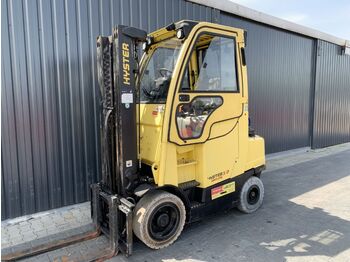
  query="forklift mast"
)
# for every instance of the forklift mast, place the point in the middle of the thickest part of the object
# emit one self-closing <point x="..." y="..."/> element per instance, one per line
<point x="117" y="66"/>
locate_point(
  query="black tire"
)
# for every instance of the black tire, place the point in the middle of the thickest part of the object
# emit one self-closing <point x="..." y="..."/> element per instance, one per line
<point x="159" y="218"/>
<point x="251" y="196"/>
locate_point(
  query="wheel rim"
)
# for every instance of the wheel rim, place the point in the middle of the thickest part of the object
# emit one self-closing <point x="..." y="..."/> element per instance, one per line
<point x="253" y="195"/>
<point x="164" y="221"/>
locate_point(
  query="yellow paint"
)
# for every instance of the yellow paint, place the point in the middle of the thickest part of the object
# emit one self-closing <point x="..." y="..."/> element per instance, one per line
<point x="224" y="150"/>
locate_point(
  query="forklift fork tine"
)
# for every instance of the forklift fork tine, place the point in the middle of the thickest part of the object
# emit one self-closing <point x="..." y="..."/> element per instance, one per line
<point x="113" y="223"/>
<point x="50" y="242"/>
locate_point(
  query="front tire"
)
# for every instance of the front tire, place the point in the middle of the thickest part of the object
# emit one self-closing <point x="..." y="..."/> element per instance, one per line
<point x="251" y="196"/>
<point x="159" y="218"/>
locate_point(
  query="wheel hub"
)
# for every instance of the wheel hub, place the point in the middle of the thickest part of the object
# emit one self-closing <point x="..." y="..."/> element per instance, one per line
<point x="253" y="195"/>
<point x="163" y="220"/>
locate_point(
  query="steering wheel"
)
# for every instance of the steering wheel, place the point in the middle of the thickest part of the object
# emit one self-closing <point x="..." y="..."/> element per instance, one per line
<point x="164" y="70"/>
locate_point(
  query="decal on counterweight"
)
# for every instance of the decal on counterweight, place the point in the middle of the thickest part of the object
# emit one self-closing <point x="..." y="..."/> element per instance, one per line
<point x="220" y="191"/>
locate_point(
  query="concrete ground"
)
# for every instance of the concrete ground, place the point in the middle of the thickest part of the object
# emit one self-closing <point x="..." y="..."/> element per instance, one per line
<point x="305" y="217"/>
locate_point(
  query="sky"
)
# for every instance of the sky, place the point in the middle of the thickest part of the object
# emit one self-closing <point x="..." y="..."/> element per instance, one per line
<point x="329" y="16"/>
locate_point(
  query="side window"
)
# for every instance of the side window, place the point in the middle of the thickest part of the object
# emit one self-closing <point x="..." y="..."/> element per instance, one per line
<point x="191" y="117"/>
<point x="156" y="77"/>
<point x="186" y="81"/>
<point x="212" y="66"/>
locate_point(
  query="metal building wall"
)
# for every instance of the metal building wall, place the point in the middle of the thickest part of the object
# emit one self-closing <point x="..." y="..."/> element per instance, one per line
<point x="332" y="96"/>
<point x="280" y="78"/>
<point x="50" y="143"/>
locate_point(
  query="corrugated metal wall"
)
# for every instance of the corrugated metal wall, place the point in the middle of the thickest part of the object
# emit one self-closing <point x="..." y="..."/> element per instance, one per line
<point x="280" y="78"/>
<point x="332" y="96"/>
<point x="49" y="112"/>
<point x="50" y="143"/>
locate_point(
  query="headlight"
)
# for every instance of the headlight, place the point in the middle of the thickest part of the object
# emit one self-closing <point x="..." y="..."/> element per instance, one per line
<point x="144" y="46"/>
<point x="180" y="33"/>
<point x="149" y="40"/>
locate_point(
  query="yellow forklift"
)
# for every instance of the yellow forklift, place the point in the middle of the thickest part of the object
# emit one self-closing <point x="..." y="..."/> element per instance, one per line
<point x="175" y="138"/>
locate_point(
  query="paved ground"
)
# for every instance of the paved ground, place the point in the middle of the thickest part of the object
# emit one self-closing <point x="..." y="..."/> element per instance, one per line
<point x="23" y="229"/>
<point x="305" y="217"/>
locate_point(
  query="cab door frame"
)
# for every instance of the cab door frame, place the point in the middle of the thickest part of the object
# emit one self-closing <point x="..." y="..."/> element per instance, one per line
<point x="175" y="93"/>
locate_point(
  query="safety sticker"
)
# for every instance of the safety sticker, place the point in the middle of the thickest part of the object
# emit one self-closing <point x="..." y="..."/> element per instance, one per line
<point x="127" y="98"/>
<point x="128" y="163"/>
<point x="158" y="109"/>
<point x="220" y="191"/>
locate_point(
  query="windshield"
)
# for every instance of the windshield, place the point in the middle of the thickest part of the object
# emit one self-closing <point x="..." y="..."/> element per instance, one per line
<point x="155" y="79"/>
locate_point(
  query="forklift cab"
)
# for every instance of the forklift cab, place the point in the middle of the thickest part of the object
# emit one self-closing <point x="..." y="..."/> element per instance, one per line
<point x="194" y="105"/>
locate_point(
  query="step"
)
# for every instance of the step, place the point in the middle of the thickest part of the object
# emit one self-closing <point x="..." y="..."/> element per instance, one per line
<point x="196" y="204"/>
<point x="186" y="162"/>
<point x="189" y="184"/>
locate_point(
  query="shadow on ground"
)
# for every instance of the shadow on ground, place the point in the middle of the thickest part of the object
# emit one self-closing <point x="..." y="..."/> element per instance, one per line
<point x="281" y="229"/>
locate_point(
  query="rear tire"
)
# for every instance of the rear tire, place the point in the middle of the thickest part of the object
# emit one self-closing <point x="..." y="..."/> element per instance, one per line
<point x="251" y="196"/>
<point x="159" y="218"/>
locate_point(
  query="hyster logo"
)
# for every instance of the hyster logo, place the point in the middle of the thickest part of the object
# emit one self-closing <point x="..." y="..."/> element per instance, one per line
<point x="126" y="64"/>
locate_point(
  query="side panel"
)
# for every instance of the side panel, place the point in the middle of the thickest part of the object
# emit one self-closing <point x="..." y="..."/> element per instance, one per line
<point x="152" y="116"/>
<point x="332" y="96"/>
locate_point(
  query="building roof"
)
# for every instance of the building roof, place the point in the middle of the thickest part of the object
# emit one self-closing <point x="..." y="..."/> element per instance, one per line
<point x="239" y="10"/>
